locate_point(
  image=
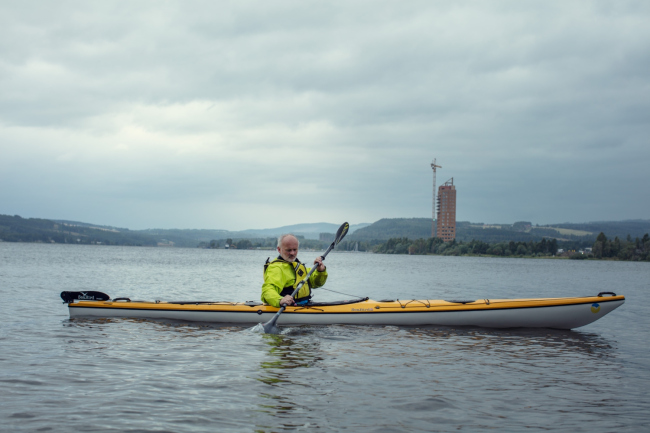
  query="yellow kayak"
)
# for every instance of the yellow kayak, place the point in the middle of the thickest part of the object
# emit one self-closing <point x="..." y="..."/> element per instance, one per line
<point x="560" y="313"/>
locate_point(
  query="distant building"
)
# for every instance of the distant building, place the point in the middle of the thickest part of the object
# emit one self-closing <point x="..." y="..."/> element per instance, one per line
<point x="446" y="215"/>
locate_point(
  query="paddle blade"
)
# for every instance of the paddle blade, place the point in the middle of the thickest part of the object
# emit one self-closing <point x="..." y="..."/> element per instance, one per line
<point x="270" y="328"/>
<point x="342" y="231"/>
<point x="259" y="328"/>
<point x="265" y="328"/>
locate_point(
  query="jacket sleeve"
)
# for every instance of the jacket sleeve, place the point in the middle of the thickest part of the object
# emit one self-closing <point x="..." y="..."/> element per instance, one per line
<point x="317" y="279"/>
<point x="273" y="284"/>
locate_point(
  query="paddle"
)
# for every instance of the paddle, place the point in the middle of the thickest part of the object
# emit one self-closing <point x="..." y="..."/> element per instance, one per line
<point x="269" y="327"/>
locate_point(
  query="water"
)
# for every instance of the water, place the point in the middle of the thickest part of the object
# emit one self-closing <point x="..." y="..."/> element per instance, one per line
<point x="126" y="375"/>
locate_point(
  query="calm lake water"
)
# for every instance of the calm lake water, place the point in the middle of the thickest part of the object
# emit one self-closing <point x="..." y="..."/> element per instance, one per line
<point x="124" y="375"/>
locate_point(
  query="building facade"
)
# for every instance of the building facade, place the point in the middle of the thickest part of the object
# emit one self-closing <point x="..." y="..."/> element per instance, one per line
<point x="446" y="212"/>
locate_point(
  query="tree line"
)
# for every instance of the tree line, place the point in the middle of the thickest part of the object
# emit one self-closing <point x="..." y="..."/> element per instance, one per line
<point x="637" y="250"/>
<point x="255" y="243"/>
<point x="628" y="249"/>
<point x="473" y="247"/>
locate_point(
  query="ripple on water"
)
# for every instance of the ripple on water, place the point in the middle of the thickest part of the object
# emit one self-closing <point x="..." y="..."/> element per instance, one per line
<point x="152" y="376"/>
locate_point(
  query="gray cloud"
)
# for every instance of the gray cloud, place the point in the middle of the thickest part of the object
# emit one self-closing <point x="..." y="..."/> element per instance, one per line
<point x="250" y="114"/>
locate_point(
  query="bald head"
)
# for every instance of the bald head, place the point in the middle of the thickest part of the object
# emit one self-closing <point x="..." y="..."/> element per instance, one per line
<point x="285" y="236"/>
<point x="288" y="247"/>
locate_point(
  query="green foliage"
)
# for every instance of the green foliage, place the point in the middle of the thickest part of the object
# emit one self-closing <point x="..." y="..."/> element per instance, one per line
<point x="614" y="228"/>
<point x="361" y="246"/>
<point x="635" y="250"/>
<point x="389" y="236"/>
<point x="521" y="231"/>
<point x="17" y="229"/>
<point x="623" y="250"/>
<point x="394" y="246"/>
<point x="244" y="244"/>
<point x="522" y="226"/>
<point x="387" y="228"/>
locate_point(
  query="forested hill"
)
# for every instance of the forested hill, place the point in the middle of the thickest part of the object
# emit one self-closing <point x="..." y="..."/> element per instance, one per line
<point x="17" y="229"/>
<point x="416" y="228"/>
<point x="620" y="229"/>
<point x="386" y="228"/>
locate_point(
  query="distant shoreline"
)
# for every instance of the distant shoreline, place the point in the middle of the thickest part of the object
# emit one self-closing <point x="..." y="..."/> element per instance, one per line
<point x="561" y="257"/>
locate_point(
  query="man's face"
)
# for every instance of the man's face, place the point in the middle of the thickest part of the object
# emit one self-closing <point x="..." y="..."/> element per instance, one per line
<point x="288" y="249"/>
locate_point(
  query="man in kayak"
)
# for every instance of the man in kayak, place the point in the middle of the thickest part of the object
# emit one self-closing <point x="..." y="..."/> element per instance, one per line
<point x="282" y="275"/>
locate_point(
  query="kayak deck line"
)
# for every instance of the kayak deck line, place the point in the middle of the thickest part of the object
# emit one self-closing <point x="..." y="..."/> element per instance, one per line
<point x="317" y="310"/>
<point x="511" y="301"/>
<point x="422" y="305"/>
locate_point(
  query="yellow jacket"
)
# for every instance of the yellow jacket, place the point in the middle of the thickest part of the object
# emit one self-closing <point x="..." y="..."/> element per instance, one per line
<point x="280" y="280"/>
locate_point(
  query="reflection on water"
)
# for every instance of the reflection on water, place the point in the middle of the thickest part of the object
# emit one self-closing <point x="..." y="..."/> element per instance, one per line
<point x="287" y="354"/>
<point x="414" y="372"/>
<point x="287" y="371"/>
<point x="301" y="346"/>
<point x="160" y="325"/>
<point x="145" y="375"/>
<point x="401" y="375"/>
<point x="529" y="342"/>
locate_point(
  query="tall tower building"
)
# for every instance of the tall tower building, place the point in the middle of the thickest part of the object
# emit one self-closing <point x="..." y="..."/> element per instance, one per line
<point x="446" y="219"/>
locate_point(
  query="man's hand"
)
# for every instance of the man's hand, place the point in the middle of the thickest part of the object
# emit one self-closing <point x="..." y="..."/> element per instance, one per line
<point x="287" y="300"/>
<point x="319" y="262"/>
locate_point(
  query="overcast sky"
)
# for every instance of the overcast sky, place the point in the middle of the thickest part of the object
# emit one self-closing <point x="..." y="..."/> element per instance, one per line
<point x="258" y="114"/>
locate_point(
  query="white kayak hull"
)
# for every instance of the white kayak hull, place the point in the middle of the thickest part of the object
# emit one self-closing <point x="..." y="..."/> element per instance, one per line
<point x="559" y="313"/>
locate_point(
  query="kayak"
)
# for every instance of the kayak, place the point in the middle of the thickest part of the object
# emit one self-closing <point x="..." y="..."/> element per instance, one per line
<point x="559" y="313"/>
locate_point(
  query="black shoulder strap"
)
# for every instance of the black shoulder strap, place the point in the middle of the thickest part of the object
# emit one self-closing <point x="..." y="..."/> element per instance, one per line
<point x="268" y="262"/>
<point x="296" y="263"/>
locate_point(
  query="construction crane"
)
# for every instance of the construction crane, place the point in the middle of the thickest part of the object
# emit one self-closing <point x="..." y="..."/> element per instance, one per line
<point x="433" y="212"/>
